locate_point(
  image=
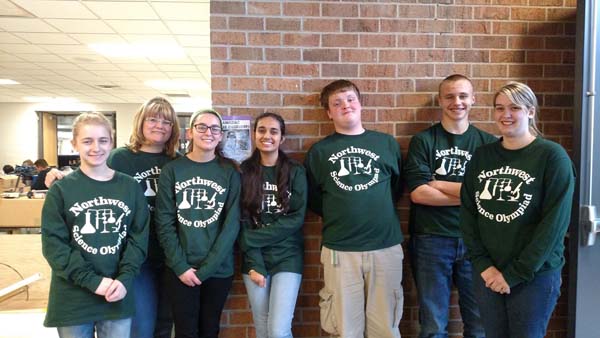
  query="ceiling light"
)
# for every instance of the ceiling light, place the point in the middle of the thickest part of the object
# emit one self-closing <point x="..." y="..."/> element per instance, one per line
<point x="167" y="85"/>
<point x="162" y="50"/>
<point x="8" y="82"/>
<point x="190" y="104"/>
<point x="107" y="86"/>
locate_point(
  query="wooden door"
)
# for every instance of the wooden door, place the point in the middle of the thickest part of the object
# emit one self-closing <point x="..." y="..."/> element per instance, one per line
<point x="49" y="146"/>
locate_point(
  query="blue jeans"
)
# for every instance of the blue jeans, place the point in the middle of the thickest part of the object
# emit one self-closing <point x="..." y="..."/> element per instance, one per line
<point x="437" y="262"/>
<point x="152" y="308"/>
<point x="273" y="306"/>
<point x="118" y="328"/>
<point x="525" y="312"/>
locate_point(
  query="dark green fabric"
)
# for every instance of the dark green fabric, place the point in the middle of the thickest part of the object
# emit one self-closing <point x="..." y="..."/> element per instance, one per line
<point x="145" y="169"/>
<point x="197" y="216"/>
<point x="516" y="208"/>
<point x="437" y="154"/>
<point x="91" y="230"/>
<point x="277" y="245"/>
<point x="354" y="182"/>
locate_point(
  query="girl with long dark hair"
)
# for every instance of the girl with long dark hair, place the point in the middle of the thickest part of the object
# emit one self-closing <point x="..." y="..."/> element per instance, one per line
<point x="273" y="207"/>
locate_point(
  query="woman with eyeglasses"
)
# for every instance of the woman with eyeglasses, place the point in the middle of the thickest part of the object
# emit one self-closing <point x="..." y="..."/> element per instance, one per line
<point x="197" y="219"/>
<point x="153" y="143"/>
<point x="515" y="210"/>
<point x="273" y="206"/>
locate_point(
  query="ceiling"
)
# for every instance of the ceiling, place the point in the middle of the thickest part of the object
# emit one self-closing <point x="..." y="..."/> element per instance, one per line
<point x="46" y="46"/>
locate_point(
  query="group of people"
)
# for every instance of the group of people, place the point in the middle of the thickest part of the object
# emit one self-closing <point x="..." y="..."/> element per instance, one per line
<point x="140" y="238"/>
<point x="34" y="175"/>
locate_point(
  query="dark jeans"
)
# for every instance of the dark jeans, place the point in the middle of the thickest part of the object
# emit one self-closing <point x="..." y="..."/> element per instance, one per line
<point x="153" y="310"/>
<point x="524" y="313"/>
<point x="437" y="262"/>
<point x="197" y="310"/>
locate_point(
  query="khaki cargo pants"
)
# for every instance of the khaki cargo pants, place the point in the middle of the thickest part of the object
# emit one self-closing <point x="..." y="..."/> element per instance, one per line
<point x="362" y="297"/>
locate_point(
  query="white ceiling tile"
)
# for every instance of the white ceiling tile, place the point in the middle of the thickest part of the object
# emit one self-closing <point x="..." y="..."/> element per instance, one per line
<point x="110" y="73"/>
<point x="79" y="74"/>
<point x="86" y="59"/>
<point x="201" y="60"/>
<point x="145" y="27"/>
<point x="148" y="75"/>
<point x="9" y="58"/>
<point x="155" y="39"/>
<point x="21" y="65"/>
<point x="194" y="41"/>
<point x="182" y="10"/>
<point x="177" y="68"/>
<point x="10" y="38"/>
<point x="25" y="49"/>
<point x="62" y="64"/>
<point x="197" y="51"/>
<point x="158" y="61"/>
<point x="97" y="38"/>
<point x="41" y="58"/>
<point x="189" y="27"/>
<point x="48" y="38"/>
<point x="69" y="49"/>
<point x="100" y="66"/>
<point x="58" y="66"/>
<point x="56" y="9"/>
<point x="25" y="25"/>
<point x="81" y="26"/>
<point x="185" y="75"/>
<point x="137" y="66"/>
<point x="122" y="10"/>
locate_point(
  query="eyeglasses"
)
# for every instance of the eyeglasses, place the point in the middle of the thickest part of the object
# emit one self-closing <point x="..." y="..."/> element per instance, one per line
<point x="153" y="121"/>
<point x="202" y="128"/>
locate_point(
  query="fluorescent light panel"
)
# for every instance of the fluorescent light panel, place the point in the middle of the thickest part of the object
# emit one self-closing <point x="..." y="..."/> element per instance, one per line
<point x="8" y="82"/>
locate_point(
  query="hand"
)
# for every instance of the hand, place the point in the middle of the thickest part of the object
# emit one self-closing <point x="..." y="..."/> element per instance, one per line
<point x="257" y="278"/>
<point x="495" y="281"/>
<point x="52" y="176"/>
<point x="103" y="287"/>
<point x="189" y="278"/>
<point x="115" y="292"/>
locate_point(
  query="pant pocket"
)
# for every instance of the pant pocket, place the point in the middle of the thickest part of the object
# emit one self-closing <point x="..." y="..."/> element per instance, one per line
<point x="398" y="307"/>
<point x="328" y="319"/>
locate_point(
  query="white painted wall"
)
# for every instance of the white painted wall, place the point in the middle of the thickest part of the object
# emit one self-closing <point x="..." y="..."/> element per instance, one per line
<point x="19" y="126"/>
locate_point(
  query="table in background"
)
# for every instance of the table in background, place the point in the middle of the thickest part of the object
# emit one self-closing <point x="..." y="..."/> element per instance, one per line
<point x="21" y="212"/>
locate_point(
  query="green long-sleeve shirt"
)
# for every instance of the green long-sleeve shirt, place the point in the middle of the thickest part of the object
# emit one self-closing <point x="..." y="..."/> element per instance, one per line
<point x="198" y="217"/>
<point x="145" y="169"/>
<point x="437" y="154"/>
<point x="354" y="182"/>
<point x="516" y="208"/>
<point x="277" y="245"/>
<point x="90" y="230"/>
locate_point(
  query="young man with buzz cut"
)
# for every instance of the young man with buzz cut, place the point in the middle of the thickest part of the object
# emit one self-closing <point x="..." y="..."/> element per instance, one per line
<point x="354" y="182"/>
<point x="434" y="170"/>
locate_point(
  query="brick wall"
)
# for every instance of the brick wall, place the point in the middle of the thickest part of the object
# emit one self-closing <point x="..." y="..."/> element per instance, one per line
<point x="276" y="56"/>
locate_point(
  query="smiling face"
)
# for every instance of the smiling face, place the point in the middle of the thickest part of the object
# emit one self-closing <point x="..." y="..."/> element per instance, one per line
<point x="456" y="99"/>
<point x="94" y="143"/>
<point x="345" y="110"/>
<point x="205" y="141"/>
<point x="156" y="130"/>
<point x="267" y="135"/>
<point x="512" y="119"/>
